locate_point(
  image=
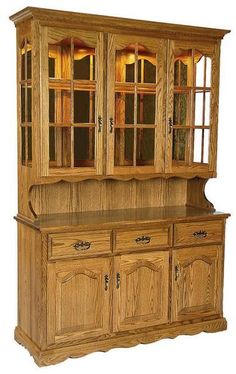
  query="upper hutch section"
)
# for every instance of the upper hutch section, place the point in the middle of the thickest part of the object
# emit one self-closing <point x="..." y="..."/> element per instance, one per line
<point x="101" y="98"/>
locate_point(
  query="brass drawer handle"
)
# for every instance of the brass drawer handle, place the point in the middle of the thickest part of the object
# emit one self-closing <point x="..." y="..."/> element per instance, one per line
<point x="143" y="239"/>
<point x="111" y="123"/>
<point x="200" y="234"/>
<point x="100" y="123"/>
<point x="117" y="280"/>
<point x="82" y="246"/>
<point x="177" y="272"/>
<point x="106" y="282"/>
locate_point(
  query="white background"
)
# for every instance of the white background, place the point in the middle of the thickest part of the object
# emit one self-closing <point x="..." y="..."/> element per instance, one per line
<point x="204" y="353"/>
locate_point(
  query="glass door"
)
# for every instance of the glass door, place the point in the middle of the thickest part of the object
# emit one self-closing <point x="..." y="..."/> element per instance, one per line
<point x="193" y="100"/>
<point x="135" y="89"/>
<point x="25" y="81"/>
<point x="75" y="123"/>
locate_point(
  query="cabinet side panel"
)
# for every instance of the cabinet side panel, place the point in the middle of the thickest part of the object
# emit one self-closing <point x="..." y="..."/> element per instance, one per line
<point x="24" y="300"/>
<point x="30" y="282"/>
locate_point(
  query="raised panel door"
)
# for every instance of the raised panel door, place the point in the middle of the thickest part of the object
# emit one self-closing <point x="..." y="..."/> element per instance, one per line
<point x="78" y="299"/>
<point x="196" y="282"/>
<point x="141" y="290"/>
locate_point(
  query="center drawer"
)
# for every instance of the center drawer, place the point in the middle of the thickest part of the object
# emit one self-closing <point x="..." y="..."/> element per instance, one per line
<point x="139" y="239"/>
<point x="79" y="244"/>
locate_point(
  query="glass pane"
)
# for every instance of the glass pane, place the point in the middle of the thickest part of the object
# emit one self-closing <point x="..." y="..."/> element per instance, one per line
<point x="208" y="72"/>
<point x="207" y="108"/>
<point x="181" y="106"/>
<point x="62" y="53"/>
<point x="202" y="108"/>
<point x="146" y="66"/>
<point x="84" y="61"/>
<point x="84" y="144"/>
<point x="28" y="57"/>
<point x="124" y="147"/>
<point x="206" y="146"/>
<point x="201" y="146"/>
<point x="203" y="70"/>
<point x="59" y="146"/>
<point x="145" y="146"/>
<point x="52" y="106"/>
<point x="125" y="64"/>
<point x="23" y="104"/>
<point x="29" y="104"/>
<point x="179" y="145"/>
<point x="181" y="71"/>
<point x="65" y="152"/>
<point x="52" y="139"/>
<point x="23" y="64"/>
<point x="200" y="69"/>
<point x="129" y="74"/>
<point x="29" y="143"/>
<point x="197" y="154"/>
<point x="23" y="147"/>
<point x="146" y="108"/>
<point x="65" y="97"/>
<point x="51" y="67"/>
<point x="124" y="107"/>
<point x="84" y="106"/>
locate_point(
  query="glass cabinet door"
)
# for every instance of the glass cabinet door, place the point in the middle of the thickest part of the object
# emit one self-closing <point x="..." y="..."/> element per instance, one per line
<point x="191" y="124"/>
<point x="74" y="106"/>
<point x="25" y="99"/>
<point x="135" y="105"/>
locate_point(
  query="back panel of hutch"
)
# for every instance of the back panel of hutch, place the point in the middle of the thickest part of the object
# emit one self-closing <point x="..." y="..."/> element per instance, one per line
<point x="117" y="136"/>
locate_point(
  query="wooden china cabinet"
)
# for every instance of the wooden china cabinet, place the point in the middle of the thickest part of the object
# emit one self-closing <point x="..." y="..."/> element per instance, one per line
<point x="117" y="130"/>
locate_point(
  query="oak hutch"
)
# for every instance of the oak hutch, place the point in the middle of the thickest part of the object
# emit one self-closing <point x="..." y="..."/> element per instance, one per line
<point x="117" y="137"/>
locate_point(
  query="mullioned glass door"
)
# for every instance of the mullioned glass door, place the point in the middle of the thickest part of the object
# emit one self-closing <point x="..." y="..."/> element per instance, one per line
<point x="135" y="89"/>
<point x="192" y="107"/>
<point x="75" y="123"/>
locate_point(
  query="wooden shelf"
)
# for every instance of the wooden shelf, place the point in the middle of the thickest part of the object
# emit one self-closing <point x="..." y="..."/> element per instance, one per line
<point x="120" y="217"/>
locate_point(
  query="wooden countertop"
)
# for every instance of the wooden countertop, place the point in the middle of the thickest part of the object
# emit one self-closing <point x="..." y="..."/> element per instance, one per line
<point x="118" y="218"/>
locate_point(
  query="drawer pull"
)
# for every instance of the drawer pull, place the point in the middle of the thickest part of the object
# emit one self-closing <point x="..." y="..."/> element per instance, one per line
<point x="177" y="272"/>
<point x="100" y="123"/>
<point x="117" y="280"/>
<point x="106" y="281"/>
<point x="82" y="246"/>
<point x="200" y="234"/>
<point x="111" y="123"/>
<point x="143" y="239"/>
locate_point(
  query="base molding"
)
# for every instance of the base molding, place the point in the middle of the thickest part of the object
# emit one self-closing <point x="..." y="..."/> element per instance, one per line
<point x="56" y="355"/>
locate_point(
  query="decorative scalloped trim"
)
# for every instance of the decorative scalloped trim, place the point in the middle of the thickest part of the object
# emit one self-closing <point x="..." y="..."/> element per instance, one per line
<point x="73" y="179"/>
<point x="57" y="355"/>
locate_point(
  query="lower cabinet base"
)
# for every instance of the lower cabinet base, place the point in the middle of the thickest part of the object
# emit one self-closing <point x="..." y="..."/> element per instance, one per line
<point x="55" y="355"/>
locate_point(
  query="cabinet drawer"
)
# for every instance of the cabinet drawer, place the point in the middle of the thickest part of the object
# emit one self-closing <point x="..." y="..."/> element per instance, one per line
<point x="79" y="244"/>
<point x="140" y="239"/>
<point x="198" y="233"/>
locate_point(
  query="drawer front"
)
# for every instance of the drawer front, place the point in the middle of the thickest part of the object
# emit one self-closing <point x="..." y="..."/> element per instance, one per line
<point x="79" y="244"/>
<point x="198" y="233"/>
<point x="143" y="238"/>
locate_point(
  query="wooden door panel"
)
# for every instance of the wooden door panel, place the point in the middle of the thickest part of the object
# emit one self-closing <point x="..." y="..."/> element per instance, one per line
<point x="78" y="296"/>
<point x="197" y="282"/>
<point x="141" y="292"/>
